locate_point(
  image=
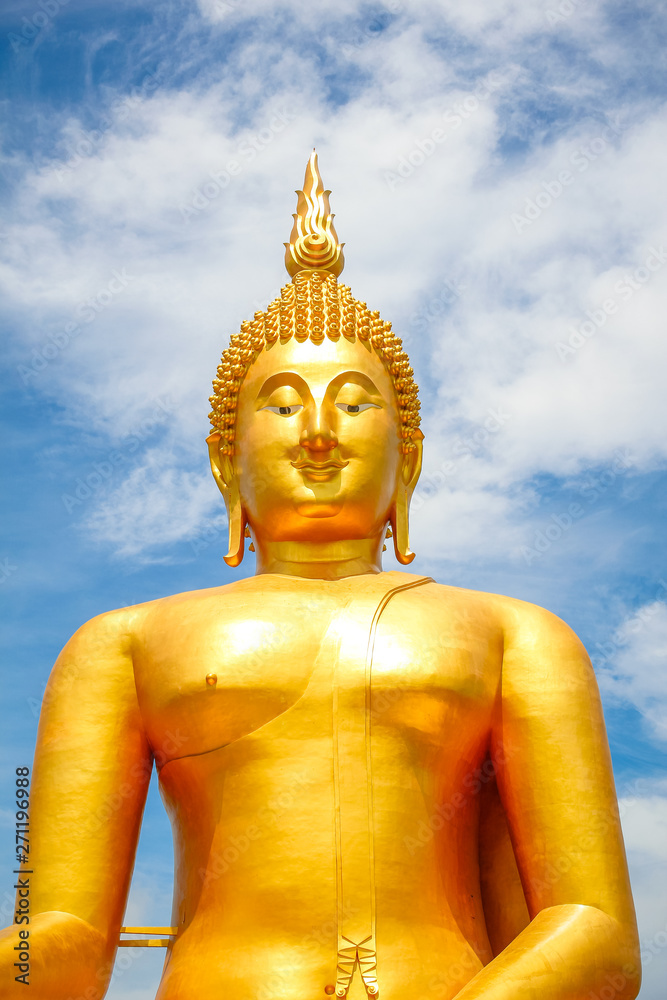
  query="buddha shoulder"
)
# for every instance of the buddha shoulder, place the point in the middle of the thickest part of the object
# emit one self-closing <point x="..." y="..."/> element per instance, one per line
<point x="115" y="633"/>
<point x="538" y="647"/>
<point x="527" y="633"/>
<point x="509" y="614"/>
<point x="124" y="632"/>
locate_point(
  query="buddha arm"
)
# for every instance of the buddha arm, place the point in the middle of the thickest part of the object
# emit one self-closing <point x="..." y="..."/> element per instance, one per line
<point x="89" y="782"/>
<point x="556" y="785"/>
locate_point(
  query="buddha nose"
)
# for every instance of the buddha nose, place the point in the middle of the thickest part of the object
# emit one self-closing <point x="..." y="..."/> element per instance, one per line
<point x="318" y="435"/>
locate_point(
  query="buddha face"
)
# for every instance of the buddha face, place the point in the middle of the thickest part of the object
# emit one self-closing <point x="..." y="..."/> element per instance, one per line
<point x="318" y="448"/>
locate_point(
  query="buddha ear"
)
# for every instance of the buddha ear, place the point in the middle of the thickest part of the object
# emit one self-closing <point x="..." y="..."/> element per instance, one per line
<point x="222" y="468"/>
<point x="411" y="468"/>
<point x="412" y="462"/>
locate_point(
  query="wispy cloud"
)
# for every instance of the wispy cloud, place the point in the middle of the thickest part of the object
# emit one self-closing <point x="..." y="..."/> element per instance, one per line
<point x="633" y="664"/>
<point x="183" y="196"/>
<point x="644" y="820"/>
<point x="156" y="505"/>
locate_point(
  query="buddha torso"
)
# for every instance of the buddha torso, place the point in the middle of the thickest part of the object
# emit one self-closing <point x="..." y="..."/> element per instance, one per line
<point x="323" y="746"/>
<point x="322" y="796"/>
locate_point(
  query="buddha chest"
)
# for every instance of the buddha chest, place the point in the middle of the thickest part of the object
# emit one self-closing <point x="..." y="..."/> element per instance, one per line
<point x="213" y="670"/>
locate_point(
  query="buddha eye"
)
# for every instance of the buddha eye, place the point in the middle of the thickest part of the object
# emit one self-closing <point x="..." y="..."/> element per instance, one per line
<point x="284" y="411"/>
<point x="354" y="408"/>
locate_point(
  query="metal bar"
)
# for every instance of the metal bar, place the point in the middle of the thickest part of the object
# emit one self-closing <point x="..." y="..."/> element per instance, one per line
<point x="149" y="930"/>
<point x="145" y="943"/>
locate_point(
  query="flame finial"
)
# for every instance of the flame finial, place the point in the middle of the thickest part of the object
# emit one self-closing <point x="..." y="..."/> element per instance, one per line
<point x="313" y="241"/>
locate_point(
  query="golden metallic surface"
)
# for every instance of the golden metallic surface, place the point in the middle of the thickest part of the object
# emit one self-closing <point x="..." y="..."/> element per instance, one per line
<point x="313" y="307"/>
<point x="162" y="942"/>
<point x="144" y="943"/>
<point x="395" y="788"/>
<point x="149" y="930"/>
<point x="313" y="243"/>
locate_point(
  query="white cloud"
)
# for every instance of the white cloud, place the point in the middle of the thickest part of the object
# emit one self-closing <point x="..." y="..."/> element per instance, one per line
<point x="196" y="273"/>
<point x="644" y="821"/>
<point x="158" y="504"/>
<point x="502" y="18"/>
<point x="633" y="665"/>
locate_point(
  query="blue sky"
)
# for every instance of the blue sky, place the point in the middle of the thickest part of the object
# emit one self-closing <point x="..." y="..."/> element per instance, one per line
<point x="522" y="255"/>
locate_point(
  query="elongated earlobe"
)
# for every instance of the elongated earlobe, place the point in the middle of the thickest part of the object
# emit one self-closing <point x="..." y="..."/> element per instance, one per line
<point x="400" y="512"/>
<point x="223" y="473"/>
<point x="400" y="526"/>
<point x="237" y="524"/>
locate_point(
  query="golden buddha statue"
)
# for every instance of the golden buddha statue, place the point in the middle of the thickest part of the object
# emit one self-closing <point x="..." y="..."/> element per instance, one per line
<point x="378" y="785"/>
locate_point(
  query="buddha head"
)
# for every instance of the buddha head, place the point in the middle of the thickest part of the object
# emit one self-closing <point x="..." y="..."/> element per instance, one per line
<point x="315" y="414"/>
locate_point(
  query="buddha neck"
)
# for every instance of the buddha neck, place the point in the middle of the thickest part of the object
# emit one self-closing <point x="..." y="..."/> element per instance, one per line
<point x="320" y="560"/>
